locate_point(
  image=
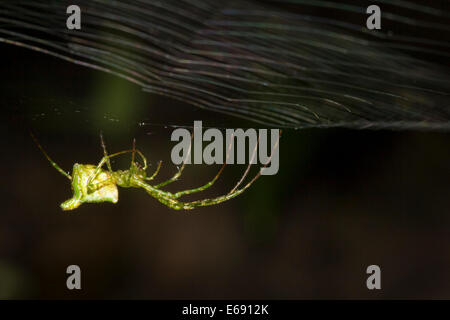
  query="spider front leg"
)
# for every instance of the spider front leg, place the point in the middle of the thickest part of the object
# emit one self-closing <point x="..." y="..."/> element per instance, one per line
<point x="105" y="153"/>
<point x="54" y="164"/>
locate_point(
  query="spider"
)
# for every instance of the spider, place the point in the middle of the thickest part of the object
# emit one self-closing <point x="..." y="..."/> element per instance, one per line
<point x="94" y="184"/>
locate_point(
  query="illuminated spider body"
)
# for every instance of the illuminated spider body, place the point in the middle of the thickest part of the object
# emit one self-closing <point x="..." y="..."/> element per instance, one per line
<point x="106" y="190"/>
<point x="93" y="184"/>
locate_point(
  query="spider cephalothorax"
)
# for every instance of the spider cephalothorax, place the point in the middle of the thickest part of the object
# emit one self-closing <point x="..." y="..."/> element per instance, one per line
<point x="94" y="184"/>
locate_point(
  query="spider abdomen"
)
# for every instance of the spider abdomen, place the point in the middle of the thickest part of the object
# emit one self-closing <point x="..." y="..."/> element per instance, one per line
<point x="89" y="187"/>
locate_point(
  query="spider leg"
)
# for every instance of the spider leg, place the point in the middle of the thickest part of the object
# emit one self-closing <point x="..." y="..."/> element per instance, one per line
<point x="174" y="178"/>
<point x="134" y="151"/>
<point x="106" y="159"/>
<point x="156" y="172"/>
<point x="100" y="185"/>
<point x="206" y="186"/>
<point x="209" y="202"/>
<point x="102" y="162"/>
<point x="68" y="176"/>
<point x="144" y="160"/>
<point x="209" y="184"/>
<point x="169" y="199"/>
<point x="247" y="170"/>
<point x="180" y="170"/>
<point x="213" y="201"/>
<point x="105" y="153"/>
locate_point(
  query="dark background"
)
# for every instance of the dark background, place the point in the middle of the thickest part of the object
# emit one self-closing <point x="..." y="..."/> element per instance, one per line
<point x="342" y="200"/>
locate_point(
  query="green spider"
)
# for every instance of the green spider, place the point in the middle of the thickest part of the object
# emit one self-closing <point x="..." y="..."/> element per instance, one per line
<point x="93" y="184"/>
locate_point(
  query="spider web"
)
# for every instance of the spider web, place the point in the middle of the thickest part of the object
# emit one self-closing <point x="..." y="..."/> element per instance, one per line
<point x="290" y="64"/>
